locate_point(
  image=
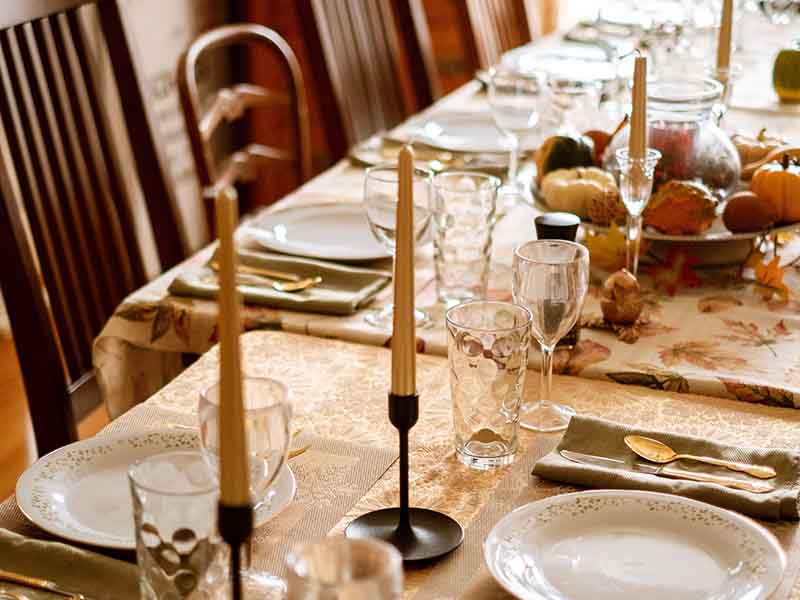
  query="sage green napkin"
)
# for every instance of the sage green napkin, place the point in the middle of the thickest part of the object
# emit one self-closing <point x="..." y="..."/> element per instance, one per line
<point x="344" y="289"/>
<point x="75" y="570"/>
<point x="604" y="438"/>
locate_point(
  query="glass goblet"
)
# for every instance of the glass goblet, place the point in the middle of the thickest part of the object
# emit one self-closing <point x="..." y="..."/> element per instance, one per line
<point x="550" y="278"/>
<point x="635" y="188"/>
<point x="381" y="189"/>
<point x="516" y="101"/>
<point x="267" y="415"/>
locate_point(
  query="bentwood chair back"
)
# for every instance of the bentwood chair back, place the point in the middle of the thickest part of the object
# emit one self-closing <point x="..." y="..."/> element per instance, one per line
<point x="496" y="26"/>
<point x="231" y="103"/>
<point x="67" y="239"/>
<point x="359" y="67"/>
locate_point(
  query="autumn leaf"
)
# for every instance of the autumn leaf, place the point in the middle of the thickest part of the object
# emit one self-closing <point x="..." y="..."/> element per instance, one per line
<point x="607" y="250"/>
<point x="762" y="394"/>
<point x="675" y="271"/>
<point x="162" y="322"/>
<point x="182" y="325"/>
<point x="586" y="353"/>
<point x="670" y="381"/>
<point x="769" y="280"/>
<point x="136" y="312"/>
<point x="717" y="303"/>
<point x="706" y="355"/>
<point x="750" y="334"/>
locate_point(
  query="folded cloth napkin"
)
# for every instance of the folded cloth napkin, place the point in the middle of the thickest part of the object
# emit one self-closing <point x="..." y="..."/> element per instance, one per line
<point x="604" y="438"/>
<point x="343" y="291"/>
<point x="75" y="570"/>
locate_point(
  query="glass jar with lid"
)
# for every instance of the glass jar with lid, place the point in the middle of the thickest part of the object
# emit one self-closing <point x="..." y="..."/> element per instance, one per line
<point x="681" y="126"/>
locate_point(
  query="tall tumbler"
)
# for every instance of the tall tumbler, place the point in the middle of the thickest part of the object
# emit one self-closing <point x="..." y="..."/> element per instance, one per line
<point x="178" y="550"/>
<point x="487" y="349"/>
<point x="464" y="206"/>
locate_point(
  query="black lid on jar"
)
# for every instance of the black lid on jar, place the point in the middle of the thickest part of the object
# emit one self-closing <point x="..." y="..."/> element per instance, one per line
<point x="557" y="226"/>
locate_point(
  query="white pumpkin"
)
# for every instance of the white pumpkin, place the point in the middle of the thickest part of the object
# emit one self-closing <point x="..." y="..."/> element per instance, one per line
<point x="572" y="190"/>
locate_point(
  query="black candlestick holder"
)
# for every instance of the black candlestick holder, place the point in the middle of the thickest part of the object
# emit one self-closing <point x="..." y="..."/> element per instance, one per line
<point x="235" y="527"/>
<point x="417" y="533"/>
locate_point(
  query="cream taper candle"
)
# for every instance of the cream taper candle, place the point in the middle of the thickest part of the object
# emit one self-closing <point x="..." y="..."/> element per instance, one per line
<point x="724" y="42"/>
<point x="234" y="474"/>
<point x="637" y="143"/>
<point x="404" y="356"/>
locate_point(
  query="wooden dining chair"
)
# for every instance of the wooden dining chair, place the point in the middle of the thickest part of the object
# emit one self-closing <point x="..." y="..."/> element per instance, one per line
<point x="495" y="27"/>
<point x="231" y="103"/>
<point x="360" y="68"/>
<point x="67" y="241"/>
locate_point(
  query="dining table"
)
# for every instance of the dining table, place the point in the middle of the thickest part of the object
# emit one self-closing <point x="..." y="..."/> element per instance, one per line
<point x="716" y="358"/>
<point x="711" y="331"/>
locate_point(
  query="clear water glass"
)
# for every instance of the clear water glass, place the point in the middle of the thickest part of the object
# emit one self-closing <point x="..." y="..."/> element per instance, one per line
<point x="517" y="101"/>
<point x="464" y="214"/>
<point x="727" y="78"/>
<point x="336" y="568"/>
<point x="550" y="278"/>
<point x="178" y="550"/>
<point x="635" y="188"/>
<point x="267" y="419"/>
<point x="576" y="104"/>
<point x="381" y="189"/>
<point x="487" y="351"/>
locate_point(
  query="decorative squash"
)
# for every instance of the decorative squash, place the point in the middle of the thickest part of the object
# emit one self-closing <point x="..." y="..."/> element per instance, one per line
<point x="779" y="183"/>
<point x="681" y="208"/>
<point x="746" y="212"/>
<point x="563" y="152"/>
<point x="786" y="74"/>
<point x="752" y="149"/>
<point x="572" y="190"/>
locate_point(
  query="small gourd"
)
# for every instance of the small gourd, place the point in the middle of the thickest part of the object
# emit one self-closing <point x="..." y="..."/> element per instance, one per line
<point x="779" y="184"/>
<point x="573" y="190"/>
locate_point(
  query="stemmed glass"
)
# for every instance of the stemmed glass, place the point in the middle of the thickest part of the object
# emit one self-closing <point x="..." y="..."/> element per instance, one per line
<point x="635" y="188"/>
<point x="381" y="190"/>
<point x="516" y="101"/>
<point x="267" y="414"/>
<point x="550" y="278"/>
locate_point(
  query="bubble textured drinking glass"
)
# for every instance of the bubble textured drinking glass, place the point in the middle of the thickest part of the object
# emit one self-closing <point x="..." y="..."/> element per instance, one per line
<point x="267" y="418"/>
<point x="635" y="188"/>
<point x="178" y="550"/>
<point x="381" y="189"/>
<point x="339" y="568"/>
<point x="550" y="278"/>
<point x="516" y="100"/>
<point x="487" y="351"/>
<point x="464" y="214"/>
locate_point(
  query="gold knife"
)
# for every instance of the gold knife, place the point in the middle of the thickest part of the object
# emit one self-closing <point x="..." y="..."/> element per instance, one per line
<point x="757" y="487"/>
<point x="38" y="584"/>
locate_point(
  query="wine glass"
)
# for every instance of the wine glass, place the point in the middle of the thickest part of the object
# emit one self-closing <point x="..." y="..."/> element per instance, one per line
<point x="635" y="188"/>
<point x="381" y="188"/>
<point x="516" y="100"/>
<point x="550" y="278"/>
<point x="267" y="416"/>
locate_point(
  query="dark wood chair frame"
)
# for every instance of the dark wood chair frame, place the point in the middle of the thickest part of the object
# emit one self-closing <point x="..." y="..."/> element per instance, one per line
<point x="66" y="228"/>
<point x="231" y="103"/>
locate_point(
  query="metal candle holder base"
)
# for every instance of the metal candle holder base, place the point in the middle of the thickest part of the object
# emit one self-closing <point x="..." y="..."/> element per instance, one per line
<point x="235" y="526"/>
<point x="417" y="533"/>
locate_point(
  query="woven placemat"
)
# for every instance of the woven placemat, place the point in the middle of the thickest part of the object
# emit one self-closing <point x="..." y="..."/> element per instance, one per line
<point x="331" y="477"/>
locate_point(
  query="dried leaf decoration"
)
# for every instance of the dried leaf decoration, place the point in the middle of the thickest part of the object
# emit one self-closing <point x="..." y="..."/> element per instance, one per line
<point x="651" y="377"/>
<point x="607" y="250"/>
<point x="769" y="280"/>
<point x="762" y="394"/>
<point x="675" y="271"/>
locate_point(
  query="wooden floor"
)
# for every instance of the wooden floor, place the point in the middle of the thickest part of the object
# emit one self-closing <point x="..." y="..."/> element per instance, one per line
<point x="16" y="437"/>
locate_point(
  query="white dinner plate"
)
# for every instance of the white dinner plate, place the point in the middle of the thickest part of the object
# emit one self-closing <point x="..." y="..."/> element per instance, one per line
<point x="327" y="231"/>
<point x="626" y="545"/>
<point x="459" y="132"/>
<point x="81" y="493"/>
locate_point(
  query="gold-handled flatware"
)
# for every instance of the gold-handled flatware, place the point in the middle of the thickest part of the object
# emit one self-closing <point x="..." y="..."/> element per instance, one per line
<point x="658" y="452"/>
<point x="757" y="487"/>
<point x="35" y="583"/>
<point x="263" y="272"/>
<point x="280" y="286"/>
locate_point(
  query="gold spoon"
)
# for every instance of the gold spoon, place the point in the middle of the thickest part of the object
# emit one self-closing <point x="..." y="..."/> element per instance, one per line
<point x="659" y="452"/>
<point x="281" y="286"/>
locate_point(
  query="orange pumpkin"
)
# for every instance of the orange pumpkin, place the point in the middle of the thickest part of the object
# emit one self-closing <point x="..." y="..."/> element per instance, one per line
<point x="779" y="184"/>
